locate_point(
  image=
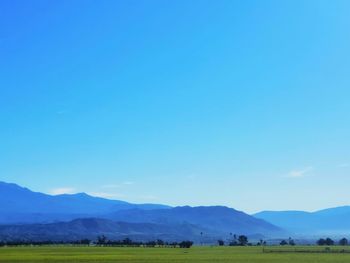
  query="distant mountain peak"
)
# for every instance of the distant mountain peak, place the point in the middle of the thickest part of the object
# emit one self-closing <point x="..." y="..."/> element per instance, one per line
<point x="11" y="185"/>
<point x="21" y="205"/>
<point x="18" y="206"/>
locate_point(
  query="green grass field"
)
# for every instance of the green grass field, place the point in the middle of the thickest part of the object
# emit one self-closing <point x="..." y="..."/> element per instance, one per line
<point x="195" y="254"/>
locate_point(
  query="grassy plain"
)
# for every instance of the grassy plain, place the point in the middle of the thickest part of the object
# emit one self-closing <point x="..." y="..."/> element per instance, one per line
<point x="171" y="255"/>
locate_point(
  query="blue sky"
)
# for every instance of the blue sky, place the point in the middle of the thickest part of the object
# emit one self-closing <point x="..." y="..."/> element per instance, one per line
<point x="238" y="103"/>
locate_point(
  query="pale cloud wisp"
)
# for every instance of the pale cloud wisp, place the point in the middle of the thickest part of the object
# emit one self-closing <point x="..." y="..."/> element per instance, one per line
<point x="300" y="173"/>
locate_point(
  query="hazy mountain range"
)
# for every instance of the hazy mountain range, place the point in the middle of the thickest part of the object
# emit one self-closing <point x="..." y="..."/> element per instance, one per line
<point x="331" y="221"/>
<point x="29" y="215"/>
<point x="36" y="216"/>
<point x="20" y="205"/>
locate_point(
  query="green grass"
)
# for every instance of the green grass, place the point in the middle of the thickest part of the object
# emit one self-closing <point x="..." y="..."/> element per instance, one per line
<point x="154" y="255"/>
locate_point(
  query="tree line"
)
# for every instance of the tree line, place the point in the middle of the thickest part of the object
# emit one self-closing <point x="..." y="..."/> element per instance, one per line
<point x="101" y="241"/>
<point x="242" y="240"/>
<point x="330" y="242"/>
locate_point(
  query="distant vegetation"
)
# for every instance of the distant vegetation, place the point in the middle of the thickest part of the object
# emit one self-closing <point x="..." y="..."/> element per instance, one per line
<point x="330" y="242"/>
<point x="290" y="242"/>
<point x="241" y="240"/>
<point x="102" y="241"/>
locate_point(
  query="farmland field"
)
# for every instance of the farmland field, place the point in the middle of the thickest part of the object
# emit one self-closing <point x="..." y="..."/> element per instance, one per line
<point x="175" y="255"/>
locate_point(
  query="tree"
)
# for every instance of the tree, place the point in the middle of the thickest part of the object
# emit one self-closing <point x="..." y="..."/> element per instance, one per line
<point x="234" y="241"/>
<point x="283" y="243"/>
<point x="127" y="242"/>
<point x="185" y="244"/>
<point x="85" y="242"/>
<point x="261" y="242"/>
<point x="235" y="237"/>
<point x="321" y="242"/>
<point x="101" y="240"/>
<point x="343" y="242"/>
<point x="173" y="244"/>
<point x="242" y="240"/>
<point x="329" y="242"/>
<point x="221" y="242"/>
<point x="291" y="242"/>
<point x="151" y="243"/>
<point x="160" y="242"/>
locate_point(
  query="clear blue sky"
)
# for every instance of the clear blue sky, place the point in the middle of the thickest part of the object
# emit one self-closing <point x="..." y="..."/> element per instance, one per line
<point x="238" y="103"/>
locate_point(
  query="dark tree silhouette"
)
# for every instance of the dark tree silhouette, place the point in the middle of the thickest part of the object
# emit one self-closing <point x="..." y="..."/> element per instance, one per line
<point x="127" y="241"/>
<point x="291" y="242"/>
<point x="85" y="242"/>
<point x="329" y="242"/>
<point x="283" y="243"/>
<point x="343" y="242"/>
<point x="101" y="240"/>
<point x="160" y="242"/>
<point x="186" y="244"/>
<point x="242" y="240"/>
<point x="325" y="242"/>
<point x="221" y="242"/>
<point x="321" y="242"/>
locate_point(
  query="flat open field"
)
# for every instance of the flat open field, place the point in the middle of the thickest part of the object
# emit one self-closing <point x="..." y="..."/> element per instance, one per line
<point x="195" y="254"/>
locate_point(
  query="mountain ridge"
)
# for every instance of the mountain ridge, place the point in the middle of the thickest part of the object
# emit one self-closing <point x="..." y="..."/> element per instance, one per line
<point x="330" y="221"/>
<point x="16" y="201"/>
<point x="36" y="210"/>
